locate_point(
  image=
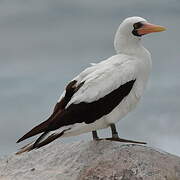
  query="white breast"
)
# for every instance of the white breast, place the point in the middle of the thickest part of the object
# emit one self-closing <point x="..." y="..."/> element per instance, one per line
<point x="129" y="103"/>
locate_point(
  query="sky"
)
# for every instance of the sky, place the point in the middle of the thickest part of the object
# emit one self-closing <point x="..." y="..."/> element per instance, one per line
<point x="44" y="44"/>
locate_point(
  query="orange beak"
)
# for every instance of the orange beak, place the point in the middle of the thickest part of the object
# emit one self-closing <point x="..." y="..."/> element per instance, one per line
<point x="150" y="28"/>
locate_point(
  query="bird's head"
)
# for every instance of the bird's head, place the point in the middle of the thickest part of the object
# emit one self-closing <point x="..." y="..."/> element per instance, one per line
<point x="137" y="26"/>
<point x="133" y="28"/>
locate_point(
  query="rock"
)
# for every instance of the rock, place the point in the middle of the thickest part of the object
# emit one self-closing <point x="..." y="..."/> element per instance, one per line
<point x="103" y="160"/>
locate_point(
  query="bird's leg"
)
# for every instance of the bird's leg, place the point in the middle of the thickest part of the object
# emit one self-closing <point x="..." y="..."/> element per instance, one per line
<point x="95" y="136"/>
<point x="115" y="136"/>
<point x="114" y="131"/>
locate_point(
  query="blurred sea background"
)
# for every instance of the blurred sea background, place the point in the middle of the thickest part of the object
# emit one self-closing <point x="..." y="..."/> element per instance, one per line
<point x="44" y="44"/>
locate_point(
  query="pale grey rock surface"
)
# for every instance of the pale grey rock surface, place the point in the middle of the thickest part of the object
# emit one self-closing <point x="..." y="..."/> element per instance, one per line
<point x="82" y="160"/>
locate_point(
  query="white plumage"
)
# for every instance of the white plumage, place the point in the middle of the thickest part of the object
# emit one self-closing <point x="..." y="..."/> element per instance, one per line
<point x="119" y="80"/>
<point x="132" y="61"/>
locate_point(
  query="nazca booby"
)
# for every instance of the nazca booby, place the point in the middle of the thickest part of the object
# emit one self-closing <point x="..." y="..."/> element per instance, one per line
<point x="103" y="93"/>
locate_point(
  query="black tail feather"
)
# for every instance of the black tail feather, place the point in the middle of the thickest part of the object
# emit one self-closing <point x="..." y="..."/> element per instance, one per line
<point x="38" y="142"/>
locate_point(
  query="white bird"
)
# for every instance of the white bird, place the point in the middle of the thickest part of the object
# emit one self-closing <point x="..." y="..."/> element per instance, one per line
<point x="103" y="93"/>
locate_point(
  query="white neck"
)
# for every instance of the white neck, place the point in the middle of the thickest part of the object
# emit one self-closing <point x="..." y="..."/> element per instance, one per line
<point x="127" y="44"/>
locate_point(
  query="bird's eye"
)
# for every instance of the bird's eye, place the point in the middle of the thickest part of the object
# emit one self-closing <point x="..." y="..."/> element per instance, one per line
<point x="137" y="25"/>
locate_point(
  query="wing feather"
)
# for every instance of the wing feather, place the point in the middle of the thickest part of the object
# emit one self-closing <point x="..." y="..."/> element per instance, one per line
<point x="59" y="107"/>
<point x="92" y="84"/>
<point x="104" y="80"/>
